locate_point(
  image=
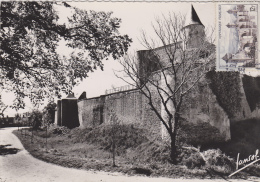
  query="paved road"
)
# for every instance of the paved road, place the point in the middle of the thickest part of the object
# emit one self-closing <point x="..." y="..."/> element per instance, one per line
<point x="21" y="166"/>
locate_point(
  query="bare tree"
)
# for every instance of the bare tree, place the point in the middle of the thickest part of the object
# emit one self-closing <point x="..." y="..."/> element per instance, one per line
<point x="115" y="126"/>
<point x="177" y="57"/>
<point x="115" y="121"/>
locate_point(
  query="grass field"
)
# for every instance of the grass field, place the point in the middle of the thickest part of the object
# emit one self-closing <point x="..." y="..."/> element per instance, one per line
<point x="137" y="153"/>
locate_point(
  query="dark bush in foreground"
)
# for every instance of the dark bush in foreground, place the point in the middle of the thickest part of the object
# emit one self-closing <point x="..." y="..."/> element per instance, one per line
<point x="218" y="161"/>
<point x="193" y="160"/>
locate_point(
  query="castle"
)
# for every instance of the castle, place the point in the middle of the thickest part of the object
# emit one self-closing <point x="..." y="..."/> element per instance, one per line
<point x="203" y="108"/>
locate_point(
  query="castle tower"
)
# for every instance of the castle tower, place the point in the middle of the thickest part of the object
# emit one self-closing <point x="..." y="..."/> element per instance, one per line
<point x="194" y="30"/>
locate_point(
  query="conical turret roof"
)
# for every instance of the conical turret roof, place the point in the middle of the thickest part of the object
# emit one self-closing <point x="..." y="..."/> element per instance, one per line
<point x="192" y="18"/>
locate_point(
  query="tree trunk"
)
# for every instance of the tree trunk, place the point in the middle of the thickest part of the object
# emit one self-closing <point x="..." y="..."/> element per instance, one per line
<point x="113" y="144"/>
<point x="173" y="154"/>
<point x="32" y="136"/>
<point x="46" y="137"/>
<point x="173" y="135"/>
<point x="114" y="154"/>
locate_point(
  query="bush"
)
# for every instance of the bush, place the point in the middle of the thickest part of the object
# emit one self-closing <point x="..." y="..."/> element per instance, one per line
<point x="219" y="161"/>
<point x="253" y="170"/>
<point x="191" y="159"/>
<point x="149" y="152"/>
<point x="194" y="160"/>
<point x="212" y="159"/>
<point x="60" y="130"/>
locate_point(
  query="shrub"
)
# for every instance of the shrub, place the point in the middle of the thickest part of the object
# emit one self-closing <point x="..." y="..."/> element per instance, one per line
<point x="253" y="170"/>
<point x="149" y="151"/>
<point x="60" y="130"/>
<point x="212" y="159"/>
<point x="191" y="158"/>
<point x="194" y="160"/>
<point x="219" y="161"/>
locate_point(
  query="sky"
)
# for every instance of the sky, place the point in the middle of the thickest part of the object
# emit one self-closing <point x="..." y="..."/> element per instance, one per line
<point x="135" y="16"/>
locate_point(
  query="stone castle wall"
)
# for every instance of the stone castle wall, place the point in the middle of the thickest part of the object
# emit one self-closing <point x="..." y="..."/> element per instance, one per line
<point x="127" y="106"/>
<point x="132" y="107"/>
<point x="250" y="98"/>
<point x="199" y="107"/>
<point x="90" y="111"/>
<point x="204" y="108"/>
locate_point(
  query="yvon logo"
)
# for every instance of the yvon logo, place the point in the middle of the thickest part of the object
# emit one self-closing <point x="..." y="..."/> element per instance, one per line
<point x="251" y="159"/>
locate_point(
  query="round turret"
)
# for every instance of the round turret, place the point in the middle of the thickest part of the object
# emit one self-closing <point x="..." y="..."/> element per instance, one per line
<point x="194" y="30"/>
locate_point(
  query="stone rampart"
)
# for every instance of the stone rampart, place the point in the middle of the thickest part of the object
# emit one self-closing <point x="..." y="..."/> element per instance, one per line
<point x="132" y="107"/>
<point x="91" y="111"/>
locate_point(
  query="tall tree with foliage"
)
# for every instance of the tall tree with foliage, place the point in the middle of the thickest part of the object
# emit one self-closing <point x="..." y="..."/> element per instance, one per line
<point x="30" y="35"/>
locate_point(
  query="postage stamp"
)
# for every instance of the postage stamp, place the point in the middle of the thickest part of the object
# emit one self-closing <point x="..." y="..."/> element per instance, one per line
<point x="237" y="37"/>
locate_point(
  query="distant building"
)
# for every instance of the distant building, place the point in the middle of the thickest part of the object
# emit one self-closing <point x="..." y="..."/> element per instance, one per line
<point x="6" y="121"/>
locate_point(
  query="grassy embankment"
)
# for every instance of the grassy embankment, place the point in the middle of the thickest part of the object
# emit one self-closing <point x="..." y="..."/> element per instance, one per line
<point x="139" y="153"/>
